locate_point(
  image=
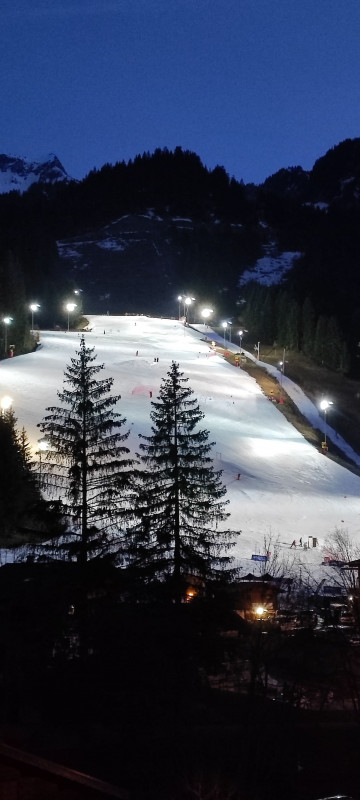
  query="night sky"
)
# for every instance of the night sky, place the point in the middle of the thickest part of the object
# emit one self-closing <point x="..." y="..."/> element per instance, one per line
<point x="252" y="85"/>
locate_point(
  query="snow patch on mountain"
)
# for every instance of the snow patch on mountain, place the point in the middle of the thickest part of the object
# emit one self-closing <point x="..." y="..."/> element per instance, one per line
<point x="321" y="206"/>
<point x="68" y="251"/>
<point x="112" y="244"/>
<point x="270" y="269"/>
<point x="17" y="173"/>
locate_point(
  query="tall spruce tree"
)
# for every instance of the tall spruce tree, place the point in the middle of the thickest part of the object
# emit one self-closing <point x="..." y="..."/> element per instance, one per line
<point x="179" y="495"/>
<point x="87" y="464"/>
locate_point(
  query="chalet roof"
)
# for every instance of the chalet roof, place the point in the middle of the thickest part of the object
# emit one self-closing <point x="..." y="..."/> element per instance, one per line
<point x="266" y="577"/>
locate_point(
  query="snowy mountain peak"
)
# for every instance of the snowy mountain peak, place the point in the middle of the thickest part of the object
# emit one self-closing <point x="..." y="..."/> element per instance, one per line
<point x="19" y="173"/>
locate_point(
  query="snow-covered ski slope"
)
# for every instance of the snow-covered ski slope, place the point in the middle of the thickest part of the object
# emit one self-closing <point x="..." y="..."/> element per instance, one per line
<point x="286" y="488"/>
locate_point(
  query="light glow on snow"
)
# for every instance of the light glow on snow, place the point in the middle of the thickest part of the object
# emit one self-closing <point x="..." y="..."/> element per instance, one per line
<point x="278" y="485"/>
<point x="267" y="448"/>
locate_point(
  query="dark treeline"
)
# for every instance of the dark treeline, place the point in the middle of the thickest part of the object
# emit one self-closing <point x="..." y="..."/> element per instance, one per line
<point x="283" y="321"/>
<point x="317" y="214"/>
<point x="171" y="183"/>
<point x="177" y="181"/>
<point x="314" y="213"/>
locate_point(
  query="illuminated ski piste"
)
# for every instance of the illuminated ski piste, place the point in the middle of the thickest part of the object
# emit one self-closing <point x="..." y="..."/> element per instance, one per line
<point x="286" y="489"/>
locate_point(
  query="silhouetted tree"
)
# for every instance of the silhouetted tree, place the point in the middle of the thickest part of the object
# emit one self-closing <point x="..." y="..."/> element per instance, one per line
<point x="320" y="343"/>
<point x="180" y="496"/>
<point x="24" y="447"/>
<point x="293" y="326"/>
<point x="22" y="508"/>
<point x="336" y="351"/>
<point x="87" y="464"/>
<point x="308" y="324"/>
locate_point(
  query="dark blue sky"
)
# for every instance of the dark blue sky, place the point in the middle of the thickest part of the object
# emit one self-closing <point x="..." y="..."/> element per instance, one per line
<point x="252" y="85"/>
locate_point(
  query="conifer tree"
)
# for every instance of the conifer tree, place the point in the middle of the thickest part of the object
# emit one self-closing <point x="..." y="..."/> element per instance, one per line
<point x="24" y="447"/>
<point x="308" y="327"/>
<point x="180" y="496"/>
<point x="87" y="464"/>
<point x="23" y="510"/>
<point x="335" y="347"/>
<point x="13" y="497"/>
<point x="293" y="325"/>
<point x="320" y="342"/>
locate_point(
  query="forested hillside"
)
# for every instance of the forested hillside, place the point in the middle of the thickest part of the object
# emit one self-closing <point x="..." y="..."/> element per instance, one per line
<point x="134" y="235"/>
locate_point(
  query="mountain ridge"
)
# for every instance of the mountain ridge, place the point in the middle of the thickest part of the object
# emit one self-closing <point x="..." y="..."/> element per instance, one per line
<point x="18" y="173"/>
<point x="280" y="259"/>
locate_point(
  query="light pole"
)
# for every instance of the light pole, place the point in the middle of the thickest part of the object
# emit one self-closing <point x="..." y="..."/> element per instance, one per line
<point x="206" y="313"/>
<point x="69" y="307"/>
<point x="187" y="302"/>
<point x="180" y="298"/>
<point x="33" y="307"/>
<point x="281" y="365"/>
<point x="324" y="405"/>
<point x="7" y="321"/>
<point x="79" y="295"/>
<point x="241" y="334"/>
<point x="224" y="325"/>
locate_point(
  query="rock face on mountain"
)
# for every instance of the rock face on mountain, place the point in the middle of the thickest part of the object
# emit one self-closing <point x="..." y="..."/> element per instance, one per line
<point x="333" y="182"/>
<point x="17" y="173"/>
<point x="140" y="263"/>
